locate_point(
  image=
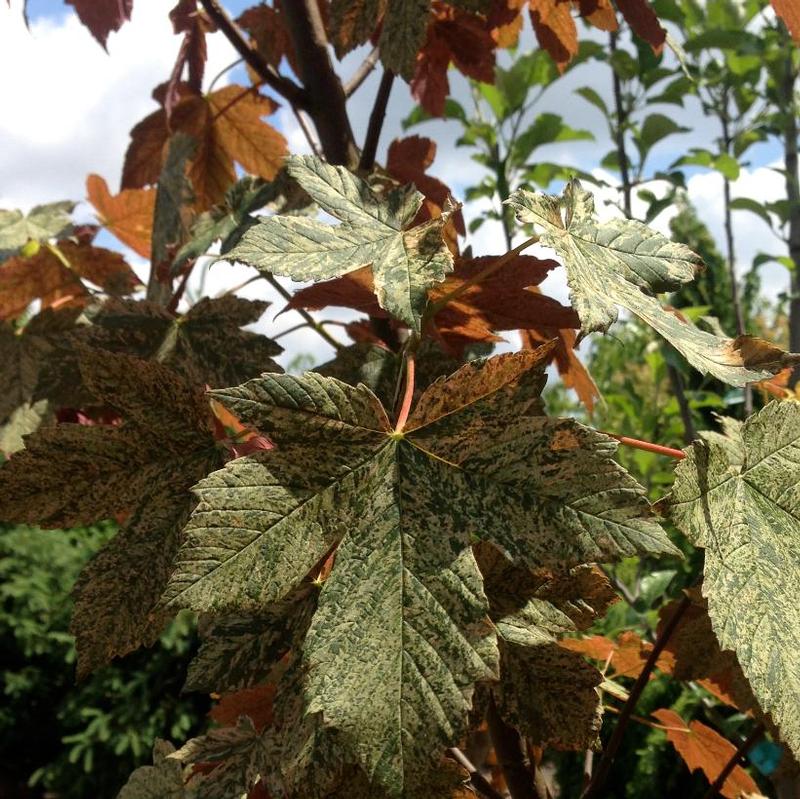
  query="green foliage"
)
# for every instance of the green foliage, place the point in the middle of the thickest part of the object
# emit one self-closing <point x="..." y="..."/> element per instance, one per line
<point x="78" y="739"/>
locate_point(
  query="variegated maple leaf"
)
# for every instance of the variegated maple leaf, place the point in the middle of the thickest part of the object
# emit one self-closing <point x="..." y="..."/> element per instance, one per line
<point x="402" y="622"/>
<point x="406" y="259"/>
<point x="624" y="263"/>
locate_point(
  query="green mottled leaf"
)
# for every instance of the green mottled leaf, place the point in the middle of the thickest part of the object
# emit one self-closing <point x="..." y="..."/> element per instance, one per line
<point x="545" y="691"/>
<point x="737" y="497"/>
<point x="622" y="262"/>
<point x="73" y="474"/>
<point x="23" y="353"/>
<point x="401" y="632"/>
<point x="162" y="780"/>
<point x="44" y="222"/>
<point x="24" y="420"/>
<point x="238" y="753"/>
<point x="378" y="231"/>
<point x="206" y="345"/>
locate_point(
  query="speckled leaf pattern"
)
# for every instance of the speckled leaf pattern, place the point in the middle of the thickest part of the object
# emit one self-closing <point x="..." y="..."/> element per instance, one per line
<point x="622" y="262"/>
<point x="73" y="474"/>
<point x="739" y="499"/>
<point x="42" y="223"/>
<point x="374" y="231"/>
<point x="238" y="753"/>
<point x="545" y="691"/>
<point x="162" y="780"/>
<point x="401" y="633"/>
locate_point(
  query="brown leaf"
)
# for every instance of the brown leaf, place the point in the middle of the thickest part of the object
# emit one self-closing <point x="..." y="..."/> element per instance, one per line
<point x="599" y="13"/>
<point x="46" y="277"/>
<point x="705" y="749"/>
<point x="505" y="21"/>
<point x="194" y="24"/>
<point x="267" y="28"/>
<point x="789" y="12"/>
<point x="128" y="215"/>
<point x="570" y="367"/>
<point x="644" y="22"/>
<point x="407" y="161"/>
<point x="102" y="17"/>
<point x="555" y="29"/>
<point x="455" y="36"/>
<point x="228" y="128"/>
<point x="627" y="655"/>
<point x="254" y="702"/>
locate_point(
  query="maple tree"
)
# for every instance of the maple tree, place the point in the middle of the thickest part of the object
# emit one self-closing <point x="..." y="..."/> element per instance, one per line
<point x="400" y="544"/>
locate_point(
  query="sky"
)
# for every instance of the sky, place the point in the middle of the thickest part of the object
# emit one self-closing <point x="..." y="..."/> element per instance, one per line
<point x="69" y="105"/>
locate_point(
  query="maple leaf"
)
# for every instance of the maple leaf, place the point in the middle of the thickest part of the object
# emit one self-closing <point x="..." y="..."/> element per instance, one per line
<point x="626" y="656"/>
<point x="570" y="367"/>
<point x="622" y="262"/>
<point x="735" y="496"/>
<point x="374" y="231"/>
<point x="228" y="128"/>
<point x="267" y="28"/>
<point x="693" y="653"/>
<point x="546" y="692"/>
<point x="643" y="21"/>
<point x="206" y="345"/>
<point x="55" y="274"/>
<point x="705" y="749"/>
<point x="475" y="458"/>
<point x="22" y="355"/>
<point x="127" y="215"/>
<point x="555" y="30"/>
<point x="407" y="161"/>
<point x="102" y="17"/>
<point x="455" y="36"/>
<point x="162" y="780"/>
<point x="788" y="11"/>
<point x="193" y="53"/>
<point x="72" y="474"/>
<point x="42" y="223"/>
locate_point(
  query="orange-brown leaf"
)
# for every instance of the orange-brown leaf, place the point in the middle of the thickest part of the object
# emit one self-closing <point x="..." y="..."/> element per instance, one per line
<point x="789" y="12"/>
<point x="599" y="13"/>
<point x="643" y="21"/>
<point x="253" y="702"/>
<point x="228" y="128"/>
<point x="407" y="161"/>
<point x="627" y="654"/>
<point x="128" y="215"/>
<point x="570" y="367"/>
<point x="555" y="29"/>
<point x="705" y="749"/>
<point x="265" y="25"/>
<point x="455" y="36"/>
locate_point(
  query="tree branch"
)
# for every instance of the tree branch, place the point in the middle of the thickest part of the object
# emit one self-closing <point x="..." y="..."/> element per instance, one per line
<point x="362" y="73"/>
<point x="282" y="85"/>
<point x="595" y="787"/>
<point x="479" y="782"/>
<point x="510" y="756"/>
<point x="376" y="118"/>
<point x="324" y="95"/>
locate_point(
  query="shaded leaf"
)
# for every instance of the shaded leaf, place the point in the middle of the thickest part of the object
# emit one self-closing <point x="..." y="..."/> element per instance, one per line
<point x="640" y="16"/>
<point x="401" y="633"/>
<point x="736" y="496"/>
<point x="162" y="780"/>
<point x="622" y="262"/>
<point x="102" y="17"/>
<point x="705" y="749"/>
<point x="127" y="215"/>
<point x="375" y="231"/>
<point x="255" y="703"/>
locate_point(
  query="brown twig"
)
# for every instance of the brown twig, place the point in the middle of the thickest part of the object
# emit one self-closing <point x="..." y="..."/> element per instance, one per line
<point x="594" y="790"/>
<point x="743" y="749"/>
<point x="376" y="118"/>
<point x="479" y="782"/>
<point x="362" y="73"/>
<point x="324" y="98"/>
<point x="284" y="86"/>
<point x="510" y="755"/>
